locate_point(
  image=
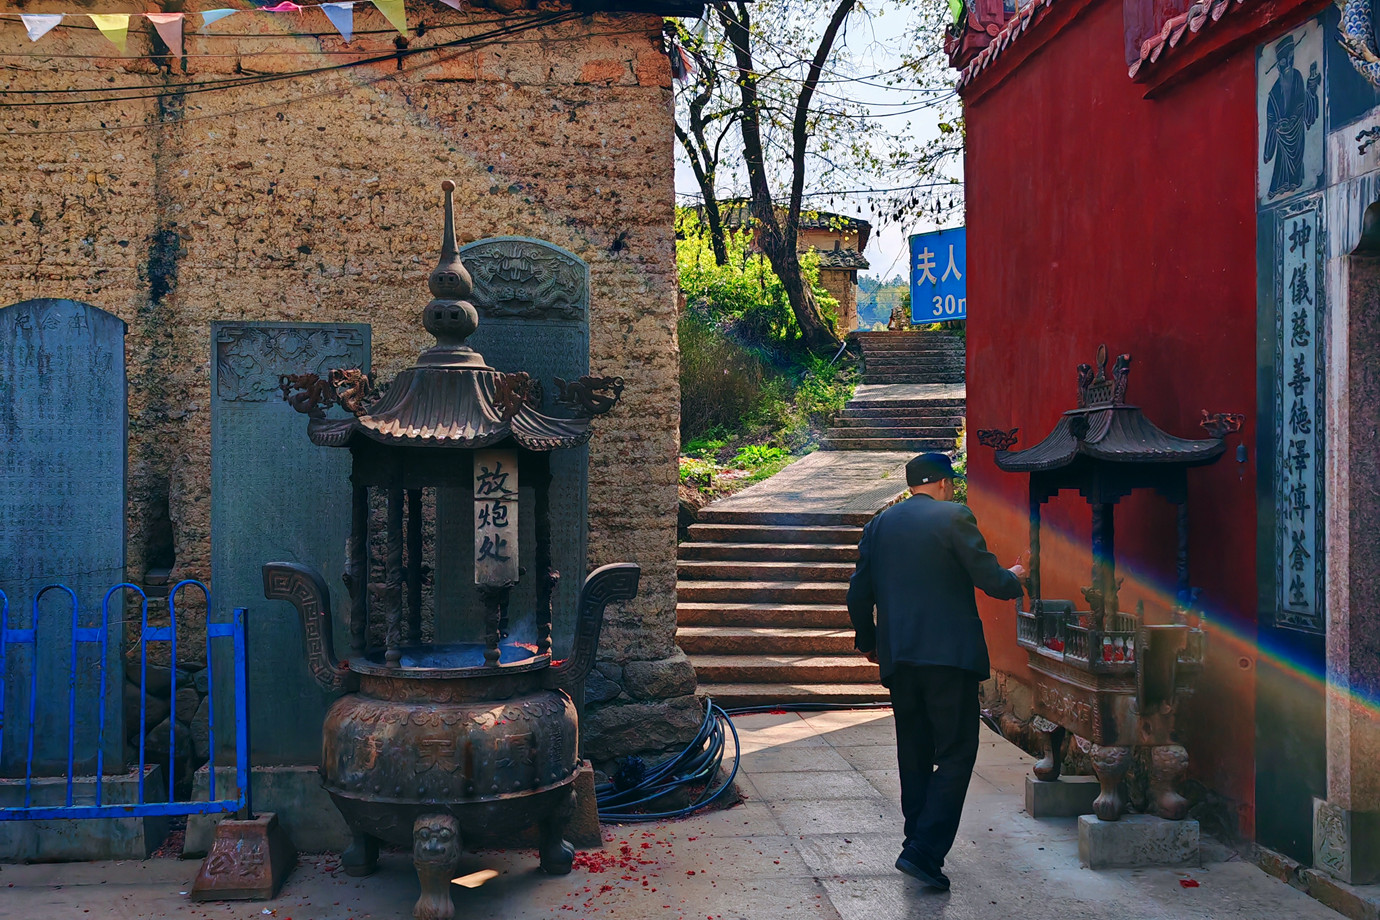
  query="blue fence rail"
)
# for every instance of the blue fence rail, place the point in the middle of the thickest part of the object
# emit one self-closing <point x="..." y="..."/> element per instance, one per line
<point x="13" y="638"/>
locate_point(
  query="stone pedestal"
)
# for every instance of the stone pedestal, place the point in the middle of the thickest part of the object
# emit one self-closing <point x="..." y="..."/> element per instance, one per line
<point x="87" y="838"/>
<point x="1136" y="841"/>
<point x="1346" y="844"/>
<point x="1066" y="797"/>
<point x="249" y="860"/>
<point x="295" y="794"/>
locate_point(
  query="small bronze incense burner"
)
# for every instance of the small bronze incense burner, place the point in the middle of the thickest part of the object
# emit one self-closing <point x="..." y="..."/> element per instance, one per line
<point x="440" y="746"/>
<point x="1108" y="676"/>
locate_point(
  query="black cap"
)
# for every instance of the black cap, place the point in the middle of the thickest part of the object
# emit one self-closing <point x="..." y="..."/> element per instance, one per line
<point x="928" y="468"/>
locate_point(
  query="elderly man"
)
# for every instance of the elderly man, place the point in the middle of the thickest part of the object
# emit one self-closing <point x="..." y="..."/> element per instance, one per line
<point x="918" y="564"/>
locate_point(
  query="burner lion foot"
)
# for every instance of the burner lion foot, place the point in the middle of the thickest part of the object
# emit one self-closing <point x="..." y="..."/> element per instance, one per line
<point x="557" y="855"/>
<point x="1047" y="768"/>
<point x="435" y="854"/>
<point x="1110" y="764"/>
<point x="1168" y="765"/>
<point x="361" y="857"/>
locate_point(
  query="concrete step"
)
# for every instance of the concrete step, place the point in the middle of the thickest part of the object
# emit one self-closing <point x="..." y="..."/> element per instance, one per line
<point x="862" y="406"/>
<point x="781" y="592"/>
<point x="769" y="552"/>
<point x="906" y="359"/>
<point x="732" y="696"/>
<point x="889" y="339"/>
<point x="838" y="535"/>
<point x="816" y="616"/>
<point x="875" y="414"/>
<point x="915" y="444"/>
<point x="912" y="430"/>
<point x="764" y="571"/>
<point x="912" y="420"/>
<point x="883" y="379"/>
<point x="764" y="640"/>
<point x="771" y="669"/>
<point x="712" y="515"/>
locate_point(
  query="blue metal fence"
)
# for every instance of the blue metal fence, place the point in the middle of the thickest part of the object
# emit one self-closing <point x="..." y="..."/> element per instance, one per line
<point x="14" y="637"/>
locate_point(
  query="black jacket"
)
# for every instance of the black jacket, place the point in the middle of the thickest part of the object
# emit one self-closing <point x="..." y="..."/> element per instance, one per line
<point x="918" y="563"/>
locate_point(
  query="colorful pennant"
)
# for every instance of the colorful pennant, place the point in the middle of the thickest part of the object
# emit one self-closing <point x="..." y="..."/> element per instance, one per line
<point x="394" y="12"/>
<point x="39" y="25"/>
<point x="169" y="26"/>
<point x="114" y="26"/>
<point x="342" y="16"/>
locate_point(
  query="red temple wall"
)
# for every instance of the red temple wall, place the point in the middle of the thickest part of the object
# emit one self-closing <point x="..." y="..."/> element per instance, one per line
<point x="1095" y="215"/>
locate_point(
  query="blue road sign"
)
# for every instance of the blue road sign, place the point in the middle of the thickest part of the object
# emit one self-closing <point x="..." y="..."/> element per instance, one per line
<point x="938" y="276"/>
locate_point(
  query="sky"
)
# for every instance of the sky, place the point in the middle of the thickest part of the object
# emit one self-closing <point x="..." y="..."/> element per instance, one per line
<point x="875" y="44"/>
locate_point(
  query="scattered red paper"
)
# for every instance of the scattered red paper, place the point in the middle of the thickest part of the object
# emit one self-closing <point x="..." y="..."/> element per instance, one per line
<point x="1188" y="882"/>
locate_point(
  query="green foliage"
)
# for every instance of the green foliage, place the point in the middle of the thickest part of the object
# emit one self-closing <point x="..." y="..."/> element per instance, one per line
<point x="744" y="292"/>
<point x="751" y="394"/>
<point x="755" y="455"/>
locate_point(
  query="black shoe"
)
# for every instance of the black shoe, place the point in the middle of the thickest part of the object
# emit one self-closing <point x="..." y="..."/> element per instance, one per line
<point x="916" y="866"/>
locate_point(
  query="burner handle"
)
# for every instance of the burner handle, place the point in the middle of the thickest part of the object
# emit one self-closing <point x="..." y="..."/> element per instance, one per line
<point x="605" y="585"/>
<point x="306" y="590"/>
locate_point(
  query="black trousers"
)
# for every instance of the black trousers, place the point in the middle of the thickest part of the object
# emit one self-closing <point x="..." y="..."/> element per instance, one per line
<point x="937" y="724"/>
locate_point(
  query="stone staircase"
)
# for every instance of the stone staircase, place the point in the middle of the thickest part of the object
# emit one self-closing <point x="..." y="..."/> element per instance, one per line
<point x="911" y="398"/>
<point x="911" y="357"/>
<point x="761" y="608"/>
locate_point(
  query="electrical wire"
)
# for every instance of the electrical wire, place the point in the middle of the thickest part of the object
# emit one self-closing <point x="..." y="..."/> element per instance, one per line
<point x="696" y="766"/>
<point x="132" y="93"/>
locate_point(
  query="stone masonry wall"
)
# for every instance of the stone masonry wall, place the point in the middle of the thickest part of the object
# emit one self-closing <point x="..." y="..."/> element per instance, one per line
<point x="316" y="198"/>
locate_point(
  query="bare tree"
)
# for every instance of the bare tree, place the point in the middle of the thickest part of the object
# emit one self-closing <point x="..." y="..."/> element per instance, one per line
<point x="777" y="233"/>
<point x="705" y="120"/>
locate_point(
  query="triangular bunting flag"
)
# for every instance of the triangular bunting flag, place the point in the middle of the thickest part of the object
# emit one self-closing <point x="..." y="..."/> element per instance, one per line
<point x="169" y="26"/>
<point x="211" y="16"/>
<point x="453" y="4"/>
<point x="40" y="25"/>
<point x="114" y="26"/>
<point x="394" y="12"/>
<point x="287" y="6"/>
<point x="342" y="16"/>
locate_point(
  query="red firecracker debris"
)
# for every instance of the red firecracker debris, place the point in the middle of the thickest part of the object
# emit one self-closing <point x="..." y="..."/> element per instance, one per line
<point x="1188" y="882"/>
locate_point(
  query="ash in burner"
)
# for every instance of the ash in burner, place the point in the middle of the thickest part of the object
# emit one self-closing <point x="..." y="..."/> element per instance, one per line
<point x="457" y="655"/>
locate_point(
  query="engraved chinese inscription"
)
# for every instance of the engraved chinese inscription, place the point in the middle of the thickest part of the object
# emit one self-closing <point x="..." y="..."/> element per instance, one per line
<point x="495" y="517"/>
<point x="1299" y="421"/>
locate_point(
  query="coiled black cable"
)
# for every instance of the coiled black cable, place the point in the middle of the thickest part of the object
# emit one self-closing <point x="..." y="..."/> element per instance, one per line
<point x="697" y="765"/>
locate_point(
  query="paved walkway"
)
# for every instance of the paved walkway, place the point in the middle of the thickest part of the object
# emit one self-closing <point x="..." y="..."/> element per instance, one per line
<point x="816" y="838"/>
<point x="825" y="482"/>
<point x="877" y="392"/>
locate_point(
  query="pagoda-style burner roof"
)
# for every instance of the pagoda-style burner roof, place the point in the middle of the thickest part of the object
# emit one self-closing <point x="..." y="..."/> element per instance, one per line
<point x="450" y="397"/>
<point x="1102" y="428"/>
<point x="444" y="407"/>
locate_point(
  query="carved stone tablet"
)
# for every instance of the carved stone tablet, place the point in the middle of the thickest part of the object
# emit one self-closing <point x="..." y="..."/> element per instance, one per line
<point x="533" y="302"/>
<point x="275" y="497"/>
<point x="62" y="519"/>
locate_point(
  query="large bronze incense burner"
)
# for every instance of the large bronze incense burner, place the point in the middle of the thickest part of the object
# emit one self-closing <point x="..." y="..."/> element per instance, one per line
<point x="1112" y="678"/>
<point x="441" y="745"/>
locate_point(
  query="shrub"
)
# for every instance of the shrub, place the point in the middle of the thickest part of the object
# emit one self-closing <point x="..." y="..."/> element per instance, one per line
<point x="720" y="383"/>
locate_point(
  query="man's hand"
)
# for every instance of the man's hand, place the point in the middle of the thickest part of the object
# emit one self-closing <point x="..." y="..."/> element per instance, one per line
<point x="1018" y="570"/>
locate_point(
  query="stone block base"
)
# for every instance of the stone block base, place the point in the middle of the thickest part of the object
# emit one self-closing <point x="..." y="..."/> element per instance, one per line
<point x="294" y="793"/>
<point x="1136" y="841"/>
<point x="1066" y="797"/>
<point x="87" y="838"/>
<point x="1346" y="844"/>
<point x="249" y="860"/>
